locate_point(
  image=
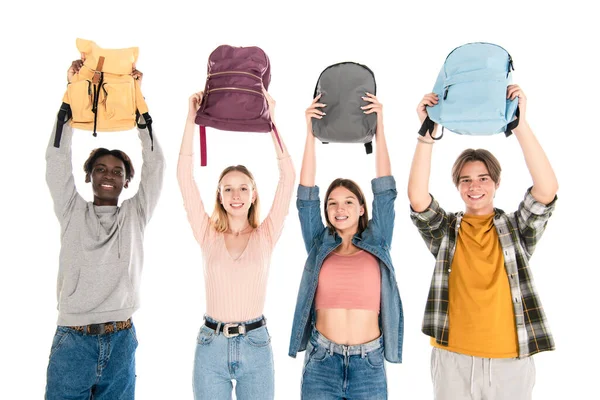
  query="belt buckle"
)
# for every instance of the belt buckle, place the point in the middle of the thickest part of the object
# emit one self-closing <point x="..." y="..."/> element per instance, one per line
<point x="95" y="329"/>
<point x="226" y="330"/>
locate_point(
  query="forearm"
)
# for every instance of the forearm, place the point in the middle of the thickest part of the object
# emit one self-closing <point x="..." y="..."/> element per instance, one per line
<point x="545" y="184"/>
<point x="418" y="181"/>
<point x="382" y="157"/>
<point x="187" y="142"/>
<point x="309" y="162"/>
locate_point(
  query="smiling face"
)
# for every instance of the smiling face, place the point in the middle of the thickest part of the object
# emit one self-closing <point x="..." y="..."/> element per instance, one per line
<point x="108" y="180"/>
<point x="344" y="210"/>
<point x="236" y="193"/>
<point x="477" y="188"/>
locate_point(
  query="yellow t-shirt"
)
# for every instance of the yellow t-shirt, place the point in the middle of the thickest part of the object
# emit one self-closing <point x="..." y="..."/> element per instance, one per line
<point x="481" y="315"/>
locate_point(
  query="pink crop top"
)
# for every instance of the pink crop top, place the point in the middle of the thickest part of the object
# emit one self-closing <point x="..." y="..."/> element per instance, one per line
<point x="349" y="282"/>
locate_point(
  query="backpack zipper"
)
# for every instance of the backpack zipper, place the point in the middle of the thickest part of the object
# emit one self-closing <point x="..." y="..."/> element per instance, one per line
<point x="233" y="73"/>
<point x="234" y="88"/>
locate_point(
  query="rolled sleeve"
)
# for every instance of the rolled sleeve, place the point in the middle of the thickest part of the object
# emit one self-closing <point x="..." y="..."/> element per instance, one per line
<point x="307" y="193"/>
<point x="383" y="183"/>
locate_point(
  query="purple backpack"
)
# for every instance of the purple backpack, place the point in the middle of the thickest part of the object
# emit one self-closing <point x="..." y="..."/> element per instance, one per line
<point x="233" y="98"/>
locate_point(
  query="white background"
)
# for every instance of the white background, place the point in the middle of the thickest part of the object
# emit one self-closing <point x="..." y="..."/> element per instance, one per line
<point x="555" y="60"/>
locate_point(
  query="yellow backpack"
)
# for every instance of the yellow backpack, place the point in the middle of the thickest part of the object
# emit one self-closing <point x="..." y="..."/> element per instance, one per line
<point x="103" y="96"/>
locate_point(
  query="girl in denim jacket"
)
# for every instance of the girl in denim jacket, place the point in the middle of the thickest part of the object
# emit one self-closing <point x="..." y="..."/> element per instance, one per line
<point x="348" y="313"/>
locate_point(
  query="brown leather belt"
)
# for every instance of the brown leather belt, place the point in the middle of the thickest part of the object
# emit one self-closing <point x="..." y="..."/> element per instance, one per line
<point x="105" y="327"/>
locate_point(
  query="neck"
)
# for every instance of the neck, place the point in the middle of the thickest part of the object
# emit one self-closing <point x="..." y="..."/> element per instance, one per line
<point x="103" y="202"/>
<point x="346" y="236"/>
<point x="237" y="225"/>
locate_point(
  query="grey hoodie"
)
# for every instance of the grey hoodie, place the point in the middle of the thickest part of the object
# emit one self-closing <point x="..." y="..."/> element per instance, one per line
<point x="101" y="255"/>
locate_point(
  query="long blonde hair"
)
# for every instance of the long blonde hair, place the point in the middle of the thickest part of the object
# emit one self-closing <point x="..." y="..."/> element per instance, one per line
<point x="219" y="216"/>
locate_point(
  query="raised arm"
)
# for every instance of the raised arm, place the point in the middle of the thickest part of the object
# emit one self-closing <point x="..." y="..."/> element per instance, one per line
<point x="309" y="160"/>
<point x="308" y="202"/>
<point x="59" y="168"/>
<point x="153" y="167"/>
<point x="418" y="181"/>
<point x="545" y="184"/>
<point x="285" y="186"/>
<point x="192" y="202"/>
<point x="383" y="166"/>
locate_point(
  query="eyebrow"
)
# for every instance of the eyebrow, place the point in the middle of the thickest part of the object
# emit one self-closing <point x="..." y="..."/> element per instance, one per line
<point x="104" y="165"/>
<point x="479" y="176"/>
<point x="243" y="184"/>
<point x="348" y="197"/>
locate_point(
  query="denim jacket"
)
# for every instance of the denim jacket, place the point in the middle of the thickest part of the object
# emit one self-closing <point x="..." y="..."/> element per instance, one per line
<point x="376" y="239"/>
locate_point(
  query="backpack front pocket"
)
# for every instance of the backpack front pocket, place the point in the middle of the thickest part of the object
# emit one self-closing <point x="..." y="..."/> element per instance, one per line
<point x="473" y="101"/>
<point x="234" y="103"/>
<point x="118" y="101"/>
<point x="80" y="99"/>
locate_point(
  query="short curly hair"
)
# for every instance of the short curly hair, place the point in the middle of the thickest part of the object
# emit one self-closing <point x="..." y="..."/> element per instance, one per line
<point x="88" y="166"/>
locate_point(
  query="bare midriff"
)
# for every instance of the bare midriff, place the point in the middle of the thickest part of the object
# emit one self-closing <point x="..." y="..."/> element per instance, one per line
<point x="349" y="327"/>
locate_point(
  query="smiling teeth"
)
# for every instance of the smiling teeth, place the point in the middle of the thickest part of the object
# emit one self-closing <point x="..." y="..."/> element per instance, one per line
<point x="338" y="218"/>
<point x="476" y="197"/>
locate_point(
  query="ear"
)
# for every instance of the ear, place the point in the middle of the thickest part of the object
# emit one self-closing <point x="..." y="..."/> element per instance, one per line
<point x="126" y="185"/>
<point x="498" y="184"/>
<point x="362" y="211"/>
<point x="87" y="178"/>
<point x="253" y="196"/>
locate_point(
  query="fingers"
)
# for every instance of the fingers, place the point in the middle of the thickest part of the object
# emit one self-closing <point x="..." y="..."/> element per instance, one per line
<point x="317" y="98"/>
<point x="513" y="91"/>
<point x="430" y="99"/>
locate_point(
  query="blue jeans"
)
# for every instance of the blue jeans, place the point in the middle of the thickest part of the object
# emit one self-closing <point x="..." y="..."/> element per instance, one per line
<point x="247" y="359"/>
<point x="98" y="367"/>
<point x="333" y="371"/>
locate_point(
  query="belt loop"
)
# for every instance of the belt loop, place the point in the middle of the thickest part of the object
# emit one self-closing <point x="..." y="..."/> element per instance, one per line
<point x="218" y="330"/>
<point x="363" y="352"/>
<point x="330" y="348"/>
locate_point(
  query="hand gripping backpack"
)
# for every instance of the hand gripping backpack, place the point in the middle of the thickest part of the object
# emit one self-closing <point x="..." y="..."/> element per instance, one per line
<point x="471" y="87"/>
<point x="233" y="99"/>
<point x="342" y="87"/>
<point x="103" y="96"/>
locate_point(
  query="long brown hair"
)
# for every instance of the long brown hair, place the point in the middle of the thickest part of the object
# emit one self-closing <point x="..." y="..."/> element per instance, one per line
<point x="219" y="216"/>
<point x="352" y="186"/>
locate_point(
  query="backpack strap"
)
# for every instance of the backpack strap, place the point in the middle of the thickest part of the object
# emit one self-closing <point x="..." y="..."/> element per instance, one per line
<point x="202" y="146"/>
<point x="513" y="124"/>
<point x="147" y="124"/>
<point x="369" y="147"/>
<point x="97" y="80"/>
<point x="428" y="126"/>
<point x="64" y="114"/>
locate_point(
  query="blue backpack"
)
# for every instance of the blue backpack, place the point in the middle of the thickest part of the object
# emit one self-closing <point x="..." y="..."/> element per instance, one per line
<point x="471" y="87"/>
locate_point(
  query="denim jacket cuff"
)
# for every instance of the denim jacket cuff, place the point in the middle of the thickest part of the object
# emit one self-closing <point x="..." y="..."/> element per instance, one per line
<point x="308" y="192"/>
<point x="383" y="183"/>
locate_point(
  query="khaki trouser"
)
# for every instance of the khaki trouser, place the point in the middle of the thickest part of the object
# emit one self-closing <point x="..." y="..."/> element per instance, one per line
<point x="460" y="377"/>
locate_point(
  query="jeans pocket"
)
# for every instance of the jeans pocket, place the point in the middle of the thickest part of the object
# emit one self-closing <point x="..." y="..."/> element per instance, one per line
<point x="133" y="334"/>
<point x="258" y="337"/>
<point x="318" y="354"/>
<point x="375" y="358"/>
<point x="205" y="336"/>
<point x="62" y="333"/>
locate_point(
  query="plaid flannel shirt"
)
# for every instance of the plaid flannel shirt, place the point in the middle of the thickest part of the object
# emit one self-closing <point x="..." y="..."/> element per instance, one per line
<point x="518" y="233"/>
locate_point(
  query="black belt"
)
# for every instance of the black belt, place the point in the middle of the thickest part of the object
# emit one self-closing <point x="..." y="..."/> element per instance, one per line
<point x="234" y="329"/>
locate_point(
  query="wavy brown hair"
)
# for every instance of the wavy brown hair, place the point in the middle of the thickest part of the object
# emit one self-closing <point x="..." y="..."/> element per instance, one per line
<point x="219" y="216"/>
<point x="355" y="189"/>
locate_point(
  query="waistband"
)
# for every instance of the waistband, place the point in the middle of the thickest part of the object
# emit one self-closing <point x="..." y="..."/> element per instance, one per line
<point x="357" y="349"/>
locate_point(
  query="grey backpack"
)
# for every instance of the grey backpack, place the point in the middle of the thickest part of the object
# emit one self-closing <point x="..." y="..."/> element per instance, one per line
<point x="342" y="87"/>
